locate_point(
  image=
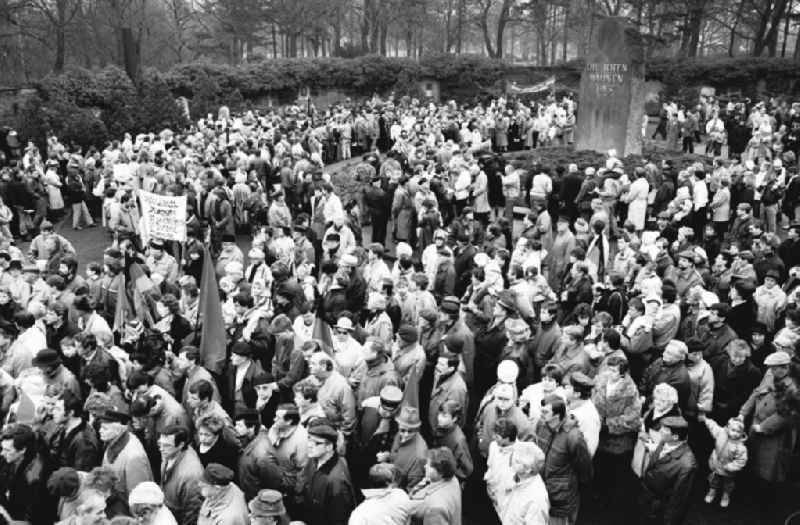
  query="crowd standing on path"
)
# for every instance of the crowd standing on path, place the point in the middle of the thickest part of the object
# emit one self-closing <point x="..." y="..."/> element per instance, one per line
<point x="637" y="333"/>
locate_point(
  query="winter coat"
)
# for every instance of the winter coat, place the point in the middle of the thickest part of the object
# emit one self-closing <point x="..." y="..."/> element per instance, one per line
<point x="180" y="485"/>
<point x="567" y="464"/>
<point x="286" y="455"/>
<point x="438" y="503"/>
<point x="79" y="448"/>
<point x="701" y="398"/>
<point x="620" y="413"/>
<point x="455" y="440"/>
<point x="410" y="458"/>
<point x="403" y="214"/>
<point x="484" y="427"/>
<point x="248" y="391"/>
<point x="24" y="493"/>
<point x="127" y="458"/>
<point x="527" y="503"/>
<point x="337" y="400"/>
<point x="329" y="496"/>
<point x="226" y="508"/>
<point x="453" y="388"/>
<point x="676" y="376"/>
<point x="666" y="485"/>
<point x="771" y="406"/>
<point x="732" y="387"/>
<point x="729" y="455"/>
<point x="384" y="506"/>
<point x="461" y="331"/>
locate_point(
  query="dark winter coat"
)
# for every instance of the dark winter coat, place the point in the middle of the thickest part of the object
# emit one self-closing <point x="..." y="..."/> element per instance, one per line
<point x="666" y="485"/>
<point x="329" y="496"/>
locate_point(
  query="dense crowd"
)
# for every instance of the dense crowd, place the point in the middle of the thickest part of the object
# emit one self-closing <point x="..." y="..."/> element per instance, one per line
<point x="461" y="330"/>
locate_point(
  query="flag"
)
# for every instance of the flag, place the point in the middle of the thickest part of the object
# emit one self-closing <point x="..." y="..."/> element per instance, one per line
<point x="213" y="341"/>
<point x="142" y="293"/>
<point x="122" y="309"/>
<point x="411" y="391"/>
<point x="536" y="88"/>
<point x="322" y="332"/>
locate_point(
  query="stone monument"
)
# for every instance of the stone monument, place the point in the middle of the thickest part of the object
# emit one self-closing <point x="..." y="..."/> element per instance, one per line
<point x="611" y="103"/>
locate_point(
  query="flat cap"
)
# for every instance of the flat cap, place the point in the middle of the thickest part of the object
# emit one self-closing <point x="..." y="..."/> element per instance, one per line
<point x="581" y="379"/>
<point x="217" y="474"/>
<point x="323" y="431"/>
<point x="674" y="422"/>
<point x="242" y="348"/>
<point x="408" y="333"/>
<point x="114" y="416"/>
<point x="779" y="358"/>
<point x="391" y="396"/>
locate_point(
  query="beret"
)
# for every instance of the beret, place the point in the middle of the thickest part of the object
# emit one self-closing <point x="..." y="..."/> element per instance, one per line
<point x="674" y="422"/>
<point x="64" y="482"/>
<point x="263" y="378"/>
<point x="227" y="237"/>
<point x="408" y="333"/>
<point x="146" y="493"/>
<point x="98" y="402"/>
<point x="323" y="431"/>
<point x="242" y="348"/>
<point x="779" y="358"/>
<point x="774" y="274"/>
<point x="695" y="345"/>
<point x="376" y="247"/>
<point x="722" y="309"/>
<point x="429" y="315"/>
<point x="217" y="474"/>
<point x="454" y="344"/>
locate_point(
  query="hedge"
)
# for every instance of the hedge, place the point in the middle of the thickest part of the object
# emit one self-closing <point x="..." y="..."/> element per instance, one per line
<point x="107" y="103"/>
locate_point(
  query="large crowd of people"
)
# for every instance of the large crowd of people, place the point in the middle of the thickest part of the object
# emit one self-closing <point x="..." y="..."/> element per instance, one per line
<point x="461" y="331"/>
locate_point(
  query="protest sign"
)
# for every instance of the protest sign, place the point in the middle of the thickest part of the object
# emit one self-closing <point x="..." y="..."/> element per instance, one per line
<point x="163" y="216"/>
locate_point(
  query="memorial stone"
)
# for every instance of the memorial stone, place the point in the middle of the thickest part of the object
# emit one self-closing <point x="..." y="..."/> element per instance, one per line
<point x="611" y="104"/>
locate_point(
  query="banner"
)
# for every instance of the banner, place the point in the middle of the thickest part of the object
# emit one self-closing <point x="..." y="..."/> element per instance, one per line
<point x="536" y="88"/>
<point x="163" y="216"/>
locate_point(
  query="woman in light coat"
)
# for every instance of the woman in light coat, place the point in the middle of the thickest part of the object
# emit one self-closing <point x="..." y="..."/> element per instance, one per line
<point x="637" y="200"/>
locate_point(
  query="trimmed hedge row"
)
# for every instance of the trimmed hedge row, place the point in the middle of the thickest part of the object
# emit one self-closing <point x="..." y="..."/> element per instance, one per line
<point x="89" y="107"/>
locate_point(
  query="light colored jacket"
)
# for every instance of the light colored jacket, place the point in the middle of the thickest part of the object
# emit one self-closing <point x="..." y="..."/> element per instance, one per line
<point x="227" y="508"/>
<point x="384" y="506"/>
<point x="729" y="455"/>
<point x="527" y="503"/>
<point x="439" y="503"/>
<point x="131" y="465"/>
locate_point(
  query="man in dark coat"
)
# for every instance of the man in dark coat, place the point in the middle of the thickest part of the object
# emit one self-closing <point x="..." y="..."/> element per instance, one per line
<point x="74" y="443"/>
<point x="570" y="187"/>
<point x="464" y="255"/>
<point x="180" y="471"/>
<point x="671" y="369"/>
<point x="668" y="476"/>
<point x="328" y="493"/>
<point x="22" y="477"/>
<point x="567" y="462"/>
<point x="241" y="394"/>
<point x="378" y="202"/>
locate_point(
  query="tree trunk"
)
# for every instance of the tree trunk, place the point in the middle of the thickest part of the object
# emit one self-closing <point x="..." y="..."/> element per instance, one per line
<point x="565" y="37"/>
<point x="484" y="23"/>
<point x="502" y="22"/>
<point x="384" y="30"/>
<point x="460" y="26"/>
<point x="131" y="54"/>
<point x="274" y="42"/>
<point x="736" y="20"/>
<point x="365" y="25"/>
<point x="693" y="26"/>
<point x="786" y="28"/>
<point x="775" y="24"/>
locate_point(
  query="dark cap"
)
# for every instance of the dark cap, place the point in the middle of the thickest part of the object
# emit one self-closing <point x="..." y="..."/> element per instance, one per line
<point x="451" y="305"/>
<point x="453" y="344"/>
<point x="774" y="274"/>
<point x="242" y="348"/>
<point x="722" y="309"/>
<point x="64" y="482"/>
<point x="46" y="358"/>
<point x="263" y="378"/>
<point x="408" y="333"/>
<point x="216" y="474"/>
<point x="157" y="244"/>
<point x="323" y="431"/>
<point x="114" y="416"/>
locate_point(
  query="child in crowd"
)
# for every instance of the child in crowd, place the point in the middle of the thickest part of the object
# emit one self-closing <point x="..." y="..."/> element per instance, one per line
<point x="728" y="458"/>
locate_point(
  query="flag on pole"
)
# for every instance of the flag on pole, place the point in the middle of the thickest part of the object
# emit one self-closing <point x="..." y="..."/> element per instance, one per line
<point x="322" y="332"/>
<point x="212" y="333"/>
<point x="536" y="88"/>
<point x="122" y="309"/>
<point x="411" y="391"/>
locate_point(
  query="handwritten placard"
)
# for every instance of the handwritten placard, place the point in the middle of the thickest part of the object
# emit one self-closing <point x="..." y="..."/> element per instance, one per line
<point x="163" y="216"/>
